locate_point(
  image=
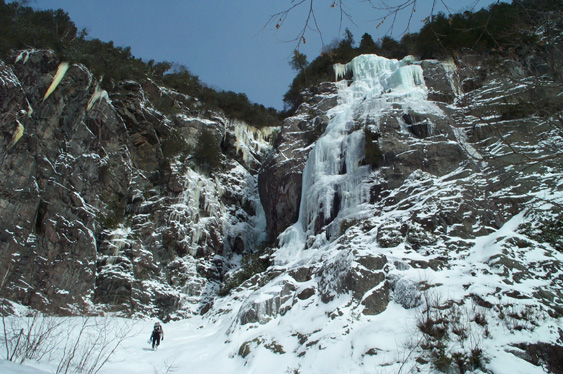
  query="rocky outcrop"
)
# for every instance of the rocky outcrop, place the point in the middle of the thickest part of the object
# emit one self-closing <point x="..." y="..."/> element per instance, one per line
<point x="48" y="228"/>
<point x="106" y="196"/>
<point x="434" y="195"/>
<point x="431" y="214"/>
<point x="280" y="179"/>
<point x="441" y="160"/>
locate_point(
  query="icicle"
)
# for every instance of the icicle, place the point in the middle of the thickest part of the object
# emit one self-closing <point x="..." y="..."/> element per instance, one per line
<point x="16" y="135"/>
<point x="340" y="71"/>
<point x="29" y="110"/>
<point x="61" y="71"/>
<point x="249" y="139"/>
<point x="119" y="238"/>
<point x="451" y="68"/>
<point x="406" y="77"/>
<point x="98" y="95"/>
<point x="24" y="55"/>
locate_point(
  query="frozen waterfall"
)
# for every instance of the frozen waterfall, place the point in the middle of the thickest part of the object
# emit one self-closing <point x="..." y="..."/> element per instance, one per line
<point x="333" y="177"/>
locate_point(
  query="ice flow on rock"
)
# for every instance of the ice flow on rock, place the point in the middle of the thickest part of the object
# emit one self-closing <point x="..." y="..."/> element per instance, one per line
<point x="333" y="176"/>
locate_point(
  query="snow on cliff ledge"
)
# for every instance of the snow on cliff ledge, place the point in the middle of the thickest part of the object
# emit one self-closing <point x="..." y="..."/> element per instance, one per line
<point x="448" y="297"/>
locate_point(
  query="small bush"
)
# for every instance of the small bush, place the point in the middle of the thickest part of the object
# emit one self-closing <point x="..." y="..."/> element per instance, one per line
<point x="81" y="345"/>
<point x="174" y="145"/>
<point x="475" y="358"/>
<point x="442" y="360"/>
<point x="207" y="153"/>
<point x="434" y="329"/>
<point x="114" y="214"/>
<point x="436" y="323"/>
<point x="480" y="319"/>
<point x="252" y="264"/>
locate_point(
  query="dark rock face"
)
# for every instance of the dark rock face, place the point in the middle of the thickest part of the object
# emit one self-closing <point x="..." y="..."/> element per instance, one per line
<point x="95" y="194"/>
<point x="280" y="179"/>
<point x="47" y="226"/>
<point x="366" y="282"/>
<point x="442" y="80"/>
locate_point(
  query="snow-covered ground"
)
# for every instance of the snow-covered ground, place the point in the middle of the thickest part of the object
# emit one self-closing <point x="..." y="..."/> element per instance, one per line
<point x="308" y="340"/>
<point x="316" y="337"/>
<point x="480" y="291"/>
<point x="13" y="368"/>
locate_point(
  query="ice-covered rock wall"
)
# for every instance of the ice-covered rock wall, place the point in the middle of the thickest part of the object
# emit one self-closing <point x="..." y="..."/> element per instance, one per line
<point x="444" y="221"/>
<point x="334" y="176"/>
<point x="251" y="141"/>
<point x="105" y="196"/>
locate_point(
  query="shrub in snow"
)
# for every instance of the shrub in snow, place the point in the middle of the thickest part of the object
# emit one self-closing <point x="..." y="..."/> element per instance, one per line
<point x="418" y="236"/>
<point x="389" y="234"/>
<point x="407" y="294"/>
<point x="79" y="344"/>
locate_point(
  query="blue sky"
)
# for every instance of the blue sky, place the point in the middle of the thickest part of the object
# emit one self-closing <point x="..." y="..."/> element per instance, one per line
<point x="224" y="42"/>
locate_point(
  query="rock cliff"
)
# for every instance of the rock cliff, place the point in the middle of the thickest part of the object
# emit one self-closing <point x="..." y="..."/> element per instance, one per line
<point x="414" y="188"/>
<point x="111" y="203"/>
<point x="425" y="184"/>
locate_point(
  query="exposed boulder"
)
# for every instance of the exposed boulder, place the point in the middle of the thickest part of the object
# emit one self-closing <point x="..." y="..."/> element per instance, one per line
<point x="262" y="307"/>
<point x="391" y="234"/>
<point x="442" y="80"/>
<point x="407" y="294"/>
<point x="365" y="283"/>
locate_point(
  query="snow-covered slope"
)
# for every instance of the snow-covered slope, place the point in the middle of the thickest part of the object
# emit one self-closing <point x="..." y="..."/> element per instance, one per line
<point x="445" y="270"/>
<point x="427" y="237"/>
<point x="435" y="273"/>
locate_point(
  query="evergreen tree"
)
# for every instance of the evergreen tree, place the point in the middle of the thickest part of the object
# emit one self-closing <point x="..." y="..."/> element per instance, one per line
<point x="367" y="45"/>
<point x="390" y="48"/>
<point x="299" y="61"/>
<point x="348" y="38"/>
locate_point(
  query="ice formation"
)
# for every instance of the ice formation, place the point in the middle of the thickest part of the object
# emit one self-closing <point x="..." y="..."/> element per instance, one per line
<point x="24" y="55"/>
<point x="99" y="94"/>
<point x="197" y="208"/>
<point x="340" y="70"/>
<point x="251" y="140"/>
<point x="119" y="238"/>
<point x="16" y="135"/>
<point x="451" y="69"/>
<point x="59" y="75"/>
<point x="333" y="177"/>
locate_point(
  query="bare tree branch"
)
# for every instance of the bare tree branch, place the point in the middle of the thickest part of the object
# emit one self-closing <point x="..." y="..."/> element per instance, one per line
<point x="384" y="10"/>
<point x="311" y="22"/>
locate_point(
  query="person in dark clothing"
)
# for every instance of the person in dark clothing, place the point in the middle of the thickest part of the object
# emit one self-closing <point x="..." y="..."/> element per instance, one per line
<point x="157" y="335"/>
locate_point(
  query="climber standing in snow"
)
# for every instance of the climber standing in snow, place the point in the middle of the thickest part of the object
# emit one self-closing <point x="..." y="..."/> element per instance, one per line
<point x="157" y="335"/>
